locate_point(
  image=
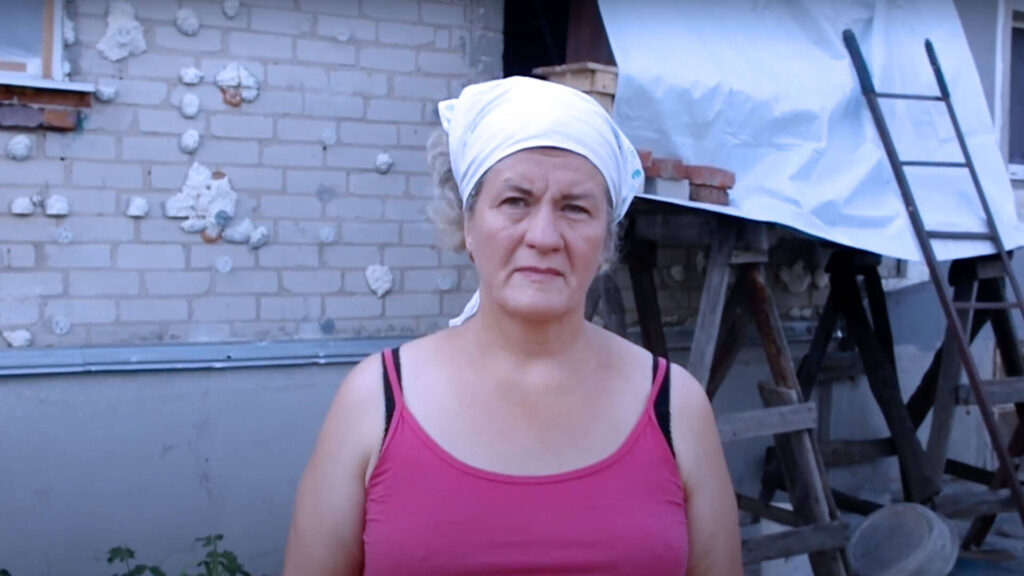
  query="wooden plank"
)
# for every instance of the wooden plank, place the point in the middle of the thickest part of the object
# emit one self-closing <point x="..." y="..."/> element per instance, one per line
<point x="1001" y="391"/>
<point x="974" y="503"/>
<point x="48" y="40"/>
<point x="804" y="540"/>
<point x="712" y="301"/>
<point x="767" y="421"/>
<point x="776" y="514"/>
<point x="853" y="452"/>
<point x="950" y="368"/>
<point x="641" y="257"/>
<point x="730" y="339"/>
<point x="810" y="365"/>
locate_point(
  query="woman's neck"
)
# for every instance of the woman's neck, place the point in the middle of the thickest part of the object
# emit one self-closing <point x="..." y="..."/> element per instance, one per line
<point x="521" y="339"/>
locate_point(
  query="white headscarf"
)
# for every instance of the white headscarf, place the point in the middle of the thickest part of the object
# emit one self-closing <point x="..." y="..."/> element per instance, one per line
<point x="490" y="120"/>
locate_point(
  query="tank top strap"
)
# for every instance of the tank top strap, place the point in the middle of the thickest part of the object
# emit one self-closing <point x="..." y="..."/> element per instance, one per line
<point x="660" y="400"/>
<point x="392" y="381"/>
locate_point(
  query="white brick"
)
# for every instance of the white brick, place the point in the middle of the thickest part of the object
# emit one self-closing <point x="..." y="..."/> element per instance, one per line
<point x="165" y="230"/>
<point x="360" y="82"/>
<point x="447" y="14"/>
<point x="325" y="51"/>
<point x="443" y="63"/>
<point x="350" y="256"/>
<point x="333" y="105"/>
<point x="159" y="148"/>
<point x="83" y="311"/>
<point x="291" y="22"/>
<point x="339" y="7"/>
<point x="369" y="233"/>
<point x="206" y="255"/>
<point x="211" y="99"/>
<point x="79" y="145"/>
<point x="106" y="283"/>
<point x="395" y="59"/>
<point x="406" y="161"/>
<point x="207" y="40"/>
<point x="211" y="15"/>
<point x="31" y="284"/>
<point x="167" y="177"/>
<point x="77" y="256"/>
<point x="132" y="334"/>
<point x="88" y="29"/>
<point x="412" y="304"/>
<point x="219" y="308"/>
<point x="37" y="172"/>
<point x="352" y="157"/>
<point x="18" y="312"/>
<point x="17" y="256"/>
<point x="246" y="282"/>
<point x="293" y="155"/>
<point x="355" y="282"/>
<point x="167" y="122"/>
<point x="415" y="136"/>
<point x="419" y="234"/>
<point x="239" y="126"/>
<point x="406" y="34"/>
<point x="155" y="65"/>
<point x="282" y="256"/>
<point x="253" y="178"/>
<point x="260" y="45"/>
<point x="303" y="181"/>
<point x="421" y="87"/>
<point x="290" y="207"/>
<point x="150" y="257"/>
<point x="429" y="280"/>
<point x="108" y="119"/>
<point x="105" y="175"/>
<point x="405" y="10"/>
<point x="289" y="308"/>
<point x="354" y="208"/>
<point x="368" y="133"/>
<point x="153" y="310"/>
<point x="219" y="152"/>
<point x="264" y="331"/>
<point x="405" y="210"/>
<point x="300" y="232"/>
<point x="367" y="306"/>
<point x="305" y="130"/>
<point x="421" y="186"/>
<point x="291" y="76"/>
<point x="25" y="229"/>
<point x="87" y="201"/>
<point x="354" y="28"/>
<point x="177" y="283"/>
<point x="150" y="10"/>
<point x="373" y="184"/>
<point x="141" y="92"/>
<point x="276" y="102"/>
<point x="410" y="257"/>
<point x="199" y="331"/>
<point x="396" y="110"/>
<point x="101" y="228"/>
<point x="91" y="63"/>
<point x="311" y="282"/>
<point x="442" y="39"/>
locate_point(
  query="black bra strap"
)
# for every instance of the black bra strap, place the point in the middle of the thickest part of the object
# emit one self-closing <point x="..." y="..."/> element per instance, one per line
<point x="389" y="394"/>
<point x="661" y="405"/>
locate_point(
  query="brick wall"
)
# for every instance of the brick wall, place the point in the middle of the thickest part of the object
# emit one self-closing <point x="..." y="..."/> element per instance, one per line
<point x="368" y="75"/>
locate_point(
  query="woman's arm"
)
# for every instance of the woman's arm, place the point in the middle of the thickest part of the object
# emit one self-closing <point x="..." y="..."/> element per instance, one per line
<point x="327" y="524"/>
<point x="712" y="518"/>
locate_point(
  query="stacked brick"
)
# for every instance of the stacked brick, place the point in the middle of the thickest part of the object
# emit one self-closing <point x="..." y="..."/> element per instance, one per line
<point x="340" y="82"/>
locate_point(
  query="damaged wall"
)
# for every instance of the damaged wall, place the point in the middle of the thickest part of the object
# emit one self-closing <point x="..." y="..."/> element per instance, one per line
<point x="316" y="112"/>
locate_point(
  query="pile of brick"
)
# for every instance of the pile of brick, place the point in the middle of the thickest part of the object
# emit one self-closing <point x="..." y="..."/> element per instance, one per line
<point x="707" y="183"/>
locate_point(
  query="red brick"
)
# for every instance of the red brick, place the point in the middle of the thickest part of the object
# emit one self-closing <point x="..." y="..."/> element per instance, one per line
<point x="60" y="118"/>
<point x="708" y="194"/>
<point x="647" y="162"/>
<point x="709" y="176"/>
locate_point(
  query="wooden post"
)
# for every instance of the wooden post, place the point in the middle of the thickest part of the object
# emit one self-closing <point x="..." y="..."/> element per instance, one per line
<point x="642" y="255"/>
<point x="712" y="301"/>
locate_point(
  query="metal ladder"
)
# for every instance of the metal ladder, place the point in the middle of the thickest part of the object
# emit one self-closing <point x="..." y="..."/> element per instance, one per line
<point x="958" y="314"/>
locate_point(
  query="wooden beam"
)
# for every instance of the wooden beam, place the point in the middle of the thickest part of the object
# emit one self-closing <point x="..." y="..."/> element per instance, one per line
<point x="712" y="302"/>
<point x="767" y="421"/>
<point x="974" y="503"/>
<point x="776" y="514"/>
<point x="48" y="40"/>
<point x="804" y="540"/>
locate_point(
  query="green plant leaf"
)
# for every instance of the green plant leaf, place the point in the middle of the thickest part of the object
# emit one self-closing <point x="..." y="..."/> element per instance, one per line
<point x="156" y="571"/>
<point x="4" y="572"/>
<point x="120" y="554"/>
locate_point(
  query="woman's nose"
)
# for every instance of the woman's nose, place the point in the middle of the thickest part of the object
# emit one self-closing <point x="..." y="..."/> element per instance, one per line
<point x="542" y="230"/>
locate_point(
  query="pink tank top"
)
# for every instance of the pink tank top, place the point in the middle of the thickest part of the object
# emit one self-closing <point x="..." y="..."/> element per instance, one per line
<point x="429" y="513"/>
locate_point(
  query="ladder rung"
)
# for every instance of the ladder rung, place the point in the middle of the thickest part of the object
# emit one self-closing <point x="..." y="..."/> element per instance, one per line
<point x="984" y="305"/>
<point x="930" y="164"/>
<point x="908" y="96"/>
<point x="950" y="235"/>
<point x="998" y="391"/>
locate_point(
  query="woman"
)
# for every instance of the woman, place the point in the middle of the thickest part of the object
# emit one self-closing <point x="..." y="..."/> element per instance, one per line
<point x="524" y="440"/>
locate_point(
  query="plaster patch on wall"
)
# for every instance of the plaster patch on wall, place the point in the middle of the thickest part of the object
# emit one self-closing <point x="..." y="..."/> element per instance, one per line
<point x="68" y="30"/>
<point x="677" y="272"/>
<point x="223" y="264"/>
<point x="796" y="278"/>
<point x="231" y="8"/>
<point x="22" y="206"/>
<point x="65" y="68"/>
<point x="57" y="205"/>
<point x="259" y="238"/>
<point x="189" y="141"/>
<point x="821" y="278"/>
<point x="206" y="200"/>
<point x="124" y="35"/>
<point x="327" y="234"/>
<point x="379" y="279"/>
<point x="384" y="163"/>
<point x="63" y="235"/>
<point x="106" y="92"/>
<point x="17" y="338"/>
<point x="60" y="325"/>
<point x="138" y="207"/>
<point x="329" y="136"/>
<point x="19" y="148"/>
<point x="187" y="22"/>
<point x="237" y="84"/>
<point x="239" y="233"/>
<point x="189" y="105"/>
<point x="190" y="76"/>
<point x="343" y="33"/>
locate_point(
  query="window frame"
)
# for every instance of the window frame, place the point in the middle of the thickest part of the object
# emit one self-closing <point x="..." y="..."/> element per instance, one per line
<point x="52" y="56"/>
<point x="1016" y="23"/>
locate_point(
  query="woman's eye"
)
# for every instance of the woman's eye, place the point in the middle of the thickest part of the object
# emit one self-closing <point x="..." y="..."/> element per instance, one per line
<point x="515" y="201"/>
<point x="576" y="208"/>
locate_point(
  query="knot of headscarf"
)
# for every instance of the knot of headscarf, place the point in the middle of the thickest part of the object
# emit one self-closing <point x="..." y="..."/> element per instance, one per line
<point x="490" y="120"/>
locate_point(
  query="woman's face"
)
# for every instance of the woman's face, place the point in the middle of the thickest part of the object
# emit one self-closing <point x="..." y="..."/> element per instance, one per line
<point x="537" y="232"/>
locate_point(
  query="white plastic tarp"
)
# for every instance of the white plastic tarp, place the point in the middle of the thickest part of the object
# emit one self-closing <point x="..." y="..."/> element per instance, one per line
<point x="766" y="88"/>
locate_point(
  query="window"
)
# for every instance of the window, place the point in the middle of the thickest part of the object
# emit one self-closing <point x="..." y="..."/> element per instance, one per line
<point x="31" y="41"/>
<point x="1016" y="124"/>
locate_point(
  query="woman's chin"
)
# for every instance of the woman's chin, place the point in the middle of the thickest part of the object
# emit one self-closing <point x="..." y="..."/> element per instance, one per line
<point x="537" y="309"/>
